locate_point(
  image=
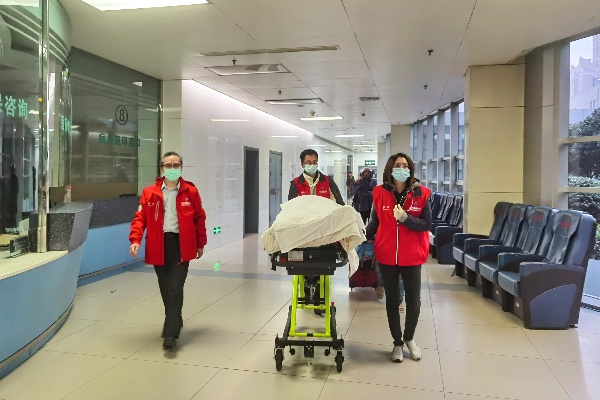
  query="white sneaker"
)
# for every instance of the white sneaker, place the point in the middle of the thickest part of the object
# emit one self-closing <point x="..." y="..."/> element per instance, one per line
<point x="415" y="351"/>
<point x="380" y="292"/>
<point x="398" y="354"/>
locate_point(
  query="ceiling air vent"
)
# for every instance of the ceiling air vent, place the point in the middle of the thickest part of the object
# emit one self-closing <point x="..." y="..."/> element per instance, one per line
<point x="369" y="98"/>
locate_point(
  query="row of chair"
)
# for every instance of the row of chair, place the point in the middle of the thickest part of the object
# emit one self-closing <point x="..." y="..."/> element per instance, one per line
<point x="447" y="213"/>
<point x="533" y="262"/>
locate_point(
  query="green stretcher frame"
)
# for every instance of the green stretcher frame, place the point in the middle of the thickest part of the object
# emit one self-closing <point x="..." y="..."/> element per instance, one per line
<point x="292" y="337"/>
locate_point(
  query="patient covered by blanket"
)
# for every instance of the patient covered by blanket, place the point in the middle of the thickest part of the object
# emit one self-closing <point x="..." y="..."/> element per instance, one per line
<point x="312" y="221"/>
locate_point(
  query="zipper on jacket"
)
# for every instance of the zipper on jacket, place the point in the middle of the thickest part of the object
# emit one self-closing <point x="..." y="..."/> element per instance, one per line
<point x="397" y="238"/>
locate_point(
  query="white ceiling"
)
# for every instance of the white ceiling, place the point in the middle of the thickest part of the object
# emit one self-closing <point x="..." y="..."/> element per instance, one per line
<point x="383" y="49"/>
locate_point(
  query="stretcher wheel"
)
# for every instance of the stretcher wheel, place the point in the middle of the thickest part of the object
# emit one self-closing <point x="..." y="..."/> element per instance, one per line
<point x="278" y="359"/>
<point x="327" y="352"/>
<point x="339" y="360"/>
<point x="292" y="351"/>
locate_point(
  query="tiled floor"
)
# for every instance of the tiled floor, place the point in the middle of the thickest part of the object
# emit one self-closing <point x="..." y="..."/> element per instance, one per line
<point x="110" y="348"/>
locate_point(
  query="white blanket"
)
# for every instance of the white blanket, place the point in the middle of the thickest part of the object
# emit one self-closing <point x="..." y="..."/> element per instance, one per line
<point x="310" y="221"/>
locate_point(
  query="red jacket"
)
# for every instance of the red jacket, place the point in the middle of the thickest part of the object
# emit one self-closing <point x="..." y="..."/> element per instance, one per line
<point x="395" y="244"/>
<point x="322" y="188"/>
<point x="150" y="217"/>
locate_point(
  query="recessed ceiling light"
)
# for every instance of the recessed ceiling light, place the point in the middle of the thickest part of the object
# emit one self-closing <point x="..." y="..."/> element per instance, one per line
<point x="284" y="136"/>
<point x="349" y="135"/>
<point x="335" y="151"/>
<point x="112" y="5"/>
<point x="248" y="69"/>
<point x="230" y="120"/>
<point x="295" y="101"/>
<point x="321" y="118"/>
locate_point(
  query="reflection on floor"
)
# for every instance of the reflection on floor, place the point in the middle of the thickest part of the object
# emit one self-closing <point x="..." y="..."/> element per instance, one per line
<point x="235" y="305"/>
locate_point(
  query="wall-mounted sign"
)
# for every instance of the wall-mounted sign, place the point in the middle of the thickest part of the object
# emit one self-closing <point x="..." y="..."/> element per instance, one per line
<point x="339" y="162"/>
<point x="119" y="140"/>
<point x="14" y="106"/>
<point x="65" y="124"/>
<point x="370" y="163"/>
<point x="217" y="230"/>
<point x="121" y="115"/>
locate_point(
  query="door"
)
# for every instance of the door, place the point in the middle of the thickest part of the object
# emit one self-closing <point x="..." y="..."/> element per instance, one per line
<point x="275" y="187"/>
<point x="250" y="190"/>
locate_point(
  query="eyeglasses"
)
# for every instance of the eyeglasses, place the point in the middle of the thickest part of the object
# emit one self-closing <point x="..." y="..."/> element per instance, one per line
<point x="403" y="166"/>
<point x="171" y="166"/>
<point x="311" y="163"/>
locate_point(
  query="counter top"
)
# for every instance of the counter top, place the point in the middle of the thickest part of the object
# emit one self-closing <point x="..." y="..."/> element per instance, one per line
<point x="14" y="266"/>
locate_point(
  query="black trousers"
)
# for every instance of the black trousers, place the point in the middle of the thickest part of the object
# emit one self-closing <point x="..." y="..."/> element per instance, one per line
<point x="411" y="276"/>
<point x="365" y="216"/>
<point x="171" y="279"/>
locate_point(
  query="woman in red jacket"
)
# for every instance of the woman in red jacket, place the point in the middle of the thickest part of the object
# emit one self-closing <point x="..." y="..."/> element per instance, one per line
<point x="400" y="223"/>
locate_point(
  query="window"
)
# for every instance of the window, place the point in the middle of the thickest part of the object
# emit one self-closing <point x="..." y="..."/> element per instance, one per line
<point x="446" y="166"/>
<point x="413" y="141"/>
<point x="115" y="141"/>
<point x="583" y="144"/>
<point x="461" y="128"/>
<point x="424" y="152"/>
<point x="584" y="121"/>
<point x="447" y="133"/>
<point x="434" y="137"/>
<point x="459" y="169"/>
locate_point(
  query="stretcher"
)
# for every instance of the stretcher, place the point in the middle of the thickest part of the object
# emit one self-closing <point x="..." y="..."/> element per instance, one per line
<point x="311" y="269"/>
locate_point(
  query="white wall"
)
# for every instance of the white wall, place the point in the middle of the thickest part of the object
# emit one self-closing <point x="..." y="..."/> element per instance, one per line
<point x="213" y="152"/>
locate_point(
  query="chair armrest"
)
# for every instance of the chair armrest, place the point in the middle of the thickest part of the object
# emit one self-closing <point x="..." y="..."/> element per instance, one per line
<point x="445" y="234"/>
<point x="472" y="245"/>
<point x="548" y="271"/>
<point x="512" y="261"/>
<point x="490" y="252"/>
<point x="459" y="238"/>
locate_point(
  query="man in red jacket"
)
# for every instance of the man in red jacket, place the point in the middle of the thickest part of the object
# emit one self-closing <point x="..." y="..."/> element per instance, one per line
<point x="171" y="213"/>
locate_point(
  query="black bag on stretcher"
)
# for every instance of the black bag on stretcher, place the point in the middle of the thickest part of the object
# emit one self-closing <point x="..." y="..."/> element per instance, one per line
<point x="365" y="275"/>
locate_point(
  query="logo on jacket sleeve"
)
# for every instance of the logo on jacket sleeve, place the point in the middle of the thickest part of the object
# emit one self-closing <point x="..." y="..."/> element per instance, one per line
<point x="386" y="208"/>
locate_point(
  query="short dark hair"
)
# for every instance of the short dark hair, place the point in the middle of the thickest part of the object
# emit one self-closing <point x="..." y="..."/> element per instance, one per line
<point x="387" y="172"/>
<point x="169" y="154"/>
<point x="308" y="152"/>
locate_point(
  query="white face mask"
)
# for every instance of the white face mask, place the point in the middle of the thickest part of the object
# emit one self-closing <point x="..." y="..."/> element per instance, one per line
<point x="311" y="169"/>
<point x="400" y="174"/>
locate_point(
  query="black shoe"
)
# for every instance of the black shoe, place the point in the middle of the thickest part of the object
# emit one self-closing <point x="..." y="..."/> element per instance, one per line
<point x="169" y="342"/>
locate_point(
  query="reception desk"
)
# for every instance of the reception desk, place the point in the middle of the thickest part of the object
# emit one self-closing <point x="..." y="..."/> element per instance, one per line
<point x="86" y="242"/>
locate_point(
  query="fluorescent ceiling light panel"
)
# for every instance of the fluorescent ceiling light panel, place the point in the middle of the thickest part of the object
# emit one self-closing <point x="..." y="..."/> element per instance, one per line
<point x="296" y="101"/>
<point x="321" y="118"/>
<point x="269" y="51"/>
<point x="335" y="151"/>
<point x="113" y="5"/>
<point x="285" y="136"/>
<point x="230" y="120"/>
<point x="228" y="70"/>
<point x="315" y="145"/>
<point x="349" y="135"/>
<point x="24" y="3"/>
